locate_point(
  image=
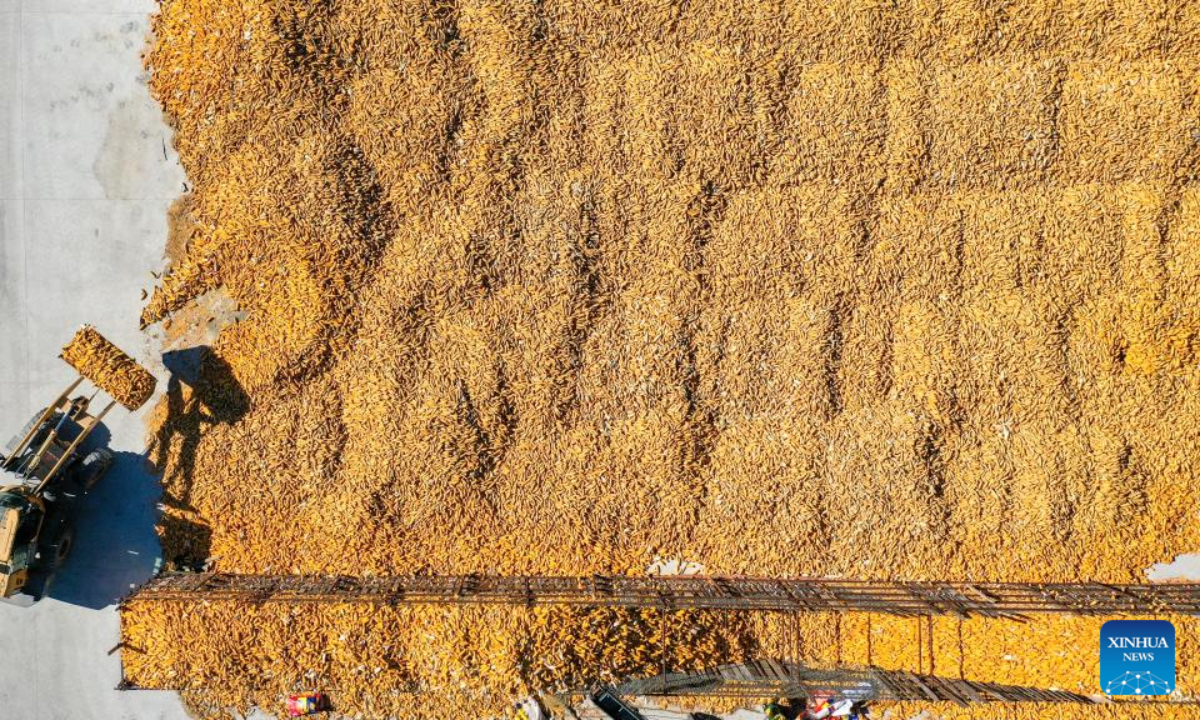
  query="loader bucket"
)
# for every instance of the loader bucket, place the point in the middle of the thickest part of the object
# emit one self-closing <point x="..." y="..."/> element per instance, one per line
<point x="108" y="368"/>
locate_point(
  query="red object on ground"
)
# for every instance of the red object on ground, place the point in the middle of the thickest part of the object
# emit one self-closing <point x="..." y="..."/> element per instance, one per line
<point x="306" y="704"/>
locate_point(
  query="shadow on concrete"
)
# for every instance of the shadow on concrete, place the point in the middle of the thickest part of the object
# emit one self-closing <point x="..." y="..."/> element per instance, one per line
<point x="202" y="392"/>
<point x="116" y="546"/>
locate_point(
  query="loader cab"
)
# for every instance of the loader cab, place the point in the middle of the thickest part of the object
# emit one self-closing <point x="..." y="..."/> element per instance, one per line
<point x="20" y="522"/>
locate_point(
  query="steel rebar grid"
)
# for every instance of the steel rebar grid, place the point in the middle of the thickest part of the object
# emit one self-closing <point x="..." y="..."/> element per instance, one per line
<point x="771" y="678"/>
<point x="912" y="599"/>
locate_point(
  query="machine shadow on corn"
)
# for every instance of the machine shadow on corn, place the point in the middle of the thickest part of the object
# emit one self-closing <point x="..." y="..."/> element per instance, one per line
<point x="201" y="392"/>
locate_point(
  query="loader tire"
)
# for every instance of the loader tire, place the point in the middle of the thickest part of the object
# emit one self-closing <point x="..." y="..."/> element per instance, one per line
<point x="38" y="437"/>
<point x="94" y="466"/>
<point x="57" y="552"/>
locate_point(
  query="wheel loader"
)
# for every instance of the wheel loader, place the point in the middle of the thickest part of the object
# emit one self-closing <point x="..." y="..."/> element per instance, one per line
<point x="49" y="467"/>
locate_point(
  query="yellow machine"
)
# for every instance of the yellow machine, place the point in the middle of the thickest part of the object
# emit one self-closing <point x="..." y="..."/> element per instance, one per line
<point x="45" y="471"/>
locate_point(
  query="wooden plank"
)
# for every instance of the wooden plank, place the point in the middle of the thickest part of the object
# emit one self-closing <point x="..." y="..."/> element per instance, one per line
<point x="777" y="672"/>
<point x="969" y="689"/>
<point x="950" y="690"/>
<point x="924" y="688"/>
<point x="800" y="599"/>
<point x="985" y="596"/>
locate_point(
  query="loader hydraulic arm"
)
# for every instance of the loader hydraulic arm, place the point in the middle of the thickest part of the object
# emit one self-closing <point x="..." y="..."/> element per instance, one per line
<point x="46" y="415"/>
<point x="85" y="429"/>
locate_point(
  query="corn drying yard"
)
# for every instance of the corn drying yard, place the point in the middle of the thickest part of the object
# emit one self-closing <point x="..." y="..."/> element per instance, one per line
<point x="886" y="290"/>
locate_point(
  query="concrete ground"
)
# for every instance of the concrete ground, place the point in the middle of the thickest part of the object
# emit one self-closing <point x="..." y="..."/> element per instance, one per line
<point x="86" y="177"/>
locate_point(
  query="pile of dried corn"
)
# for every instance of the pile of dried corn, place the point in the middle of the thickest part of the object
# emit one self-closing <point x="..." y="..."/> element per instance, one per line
<point x="108" y="368"/>
<point x="394" y="662"/>
<point x="564" y="288"/>
<point x="408" y="661"/>
<point x="1057" y="652"/>
<point x="779" y="286"/>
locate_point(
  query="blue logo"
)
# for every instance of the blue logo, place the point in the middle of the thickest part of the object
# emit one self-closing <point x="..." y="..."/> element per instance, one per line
<point x="1137" y="657"/>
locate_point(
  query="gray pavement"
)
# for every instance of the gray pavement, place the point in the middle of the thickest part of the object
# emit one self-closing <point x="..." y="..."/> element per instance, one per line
<point x="86" y="177"/>
<point x="1185" y="567"/>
